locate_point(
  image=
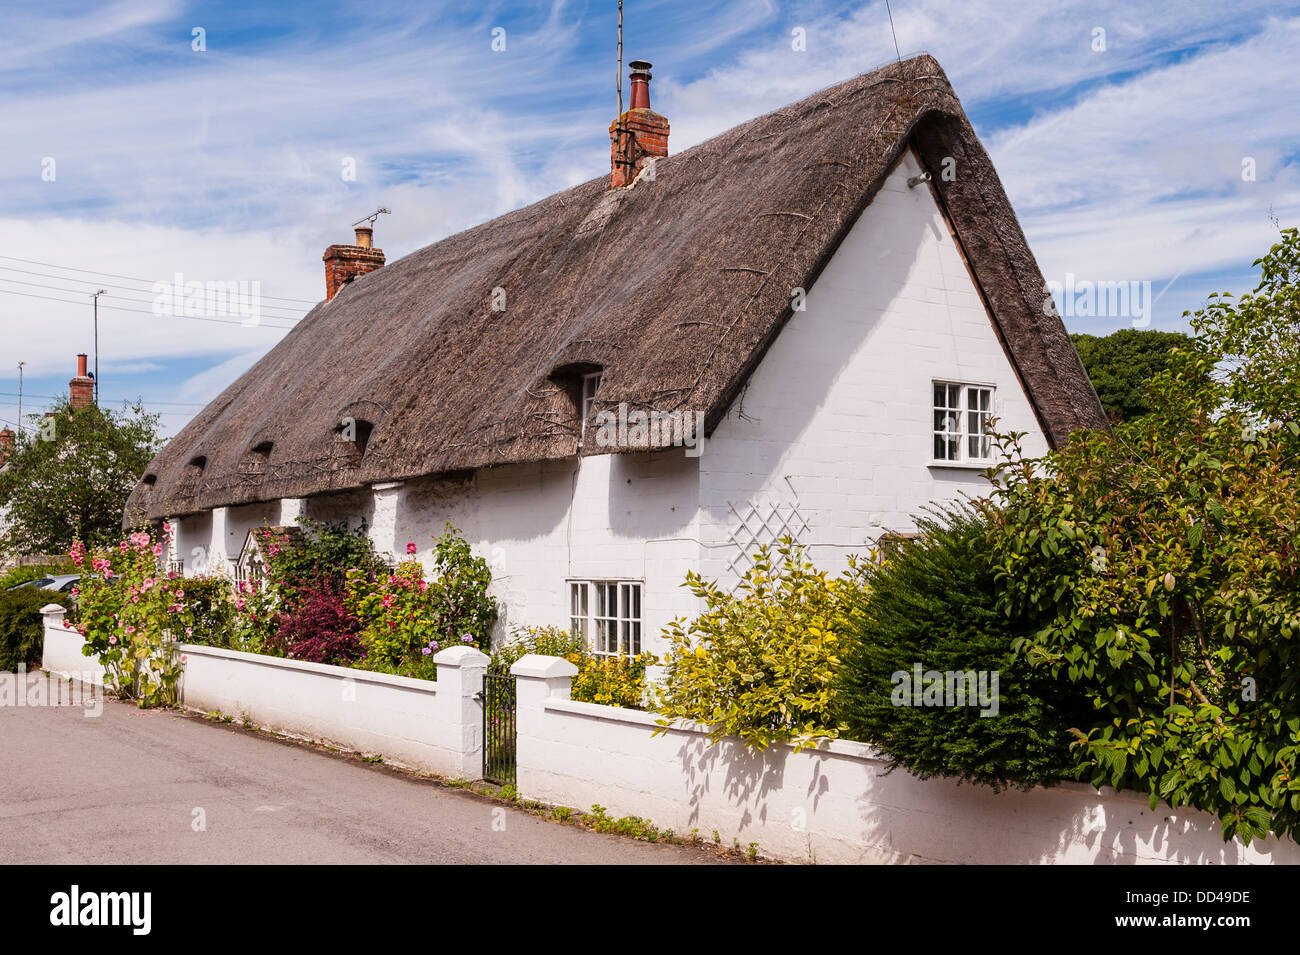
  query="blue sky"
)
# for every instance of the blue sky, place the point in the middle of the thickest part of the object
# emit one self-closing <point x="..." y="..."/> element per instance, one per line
<point x="1124" y="163"/>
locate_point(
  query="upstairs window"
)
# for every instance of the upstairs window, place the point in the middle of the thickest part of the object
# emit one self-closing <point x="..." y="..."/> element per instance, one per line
<point x="961" y="422"/>
<point x="606" y="614"/>
<point x="590" y="385"/>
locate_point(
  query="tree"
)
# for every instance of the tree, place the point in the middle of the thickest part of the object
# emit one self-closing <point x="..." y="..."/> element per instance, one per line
<point x="1122" y="366"/>
<point x="1165" y="558"/>
<point x="70" y="475"/>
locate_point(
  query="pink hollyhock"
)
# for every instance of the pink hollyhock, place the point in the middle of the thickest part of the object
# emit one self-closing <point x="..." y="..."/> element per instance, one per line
<point x="410" y="548"/>
<point x="112" y="640"/>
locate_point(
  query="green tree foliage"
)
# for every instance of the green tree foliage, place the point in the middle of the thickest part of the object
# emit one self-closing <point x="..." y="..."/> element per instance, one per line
<point x="1165" y="560"/>
<point x="933" y="603"/>
<point x="1122" y="366"/>
<point x="70" y="476"/>
<point x="759" y="663"/>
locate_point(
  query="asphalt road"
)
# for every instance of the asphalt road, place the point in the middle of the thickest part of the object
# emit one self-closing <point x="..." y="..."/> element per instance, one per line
<point x="131" y="786"/>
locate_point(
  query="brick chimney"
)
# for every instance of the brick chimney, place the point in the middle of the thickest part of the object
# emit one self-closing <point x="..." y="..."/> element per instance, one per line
<point x="6" y="445"/>
<point x="81" y="389"/>
<point x="639" y="135"/>
<point x="343" y="263"/>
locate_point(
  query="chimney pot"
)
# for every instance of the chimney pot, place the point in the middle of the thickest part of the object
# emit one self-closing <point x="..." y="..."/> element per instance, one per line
<point x="343" y="263"/>
<point x="81" y="389"/>
<point x="640" y="135"/>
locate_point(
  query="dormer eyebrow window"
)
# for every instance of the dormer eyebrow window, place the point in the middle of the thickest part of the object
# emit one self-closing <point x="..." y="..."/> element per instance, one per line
<point x="355" y="432"/>
<point x="590" y="385"/>
<point x="255" y="461"/>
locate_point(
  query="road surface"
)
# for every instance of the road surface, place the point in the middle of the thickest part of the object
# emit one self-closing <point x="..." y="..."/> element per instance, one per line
<point x="153" y="786"/>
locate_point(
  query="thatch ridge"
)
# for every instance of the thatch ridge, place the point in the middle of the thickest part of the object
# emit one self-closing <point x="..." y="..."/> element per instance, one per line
<point x="675" y="287"/>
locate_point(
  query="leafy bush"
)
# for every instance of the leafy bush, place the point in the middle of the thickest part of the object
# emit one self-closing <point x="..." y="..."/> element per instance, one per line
<point x="1163" y="560"/>
<point x="407" y="619"/>
<point x="211" y="604"/>
<point x="933" y="604"/>
<point x="20" y="575"/>
<point x="320" y="629"/>
<point x="132" y="615"/>
<point x="612" y="681"/>
<point x="22" y="629"/>
<point x="760" y="664"/>
<point x="323" y="552"/>
<point x="548" y="641"/>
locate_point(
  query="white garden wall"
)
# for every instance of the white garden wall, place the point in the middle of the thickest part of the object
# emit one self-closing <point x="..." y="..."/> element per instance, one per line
<point x="433" y="727"/>
<point x="834" y="804"/>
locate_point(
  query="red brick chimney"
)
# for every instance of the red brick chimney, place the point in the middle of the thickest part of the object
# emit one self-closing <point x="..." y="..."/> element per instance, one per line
<point x="343" y="263"/>
<point x="81" y="389"/>
<point x="639" y="135"/>
<point x="6" y="444"/>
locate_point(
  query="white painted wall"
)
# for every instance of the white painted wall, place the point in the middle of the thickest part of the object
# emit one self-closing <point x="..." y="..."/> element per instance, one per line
<point x="835" y="804"/>
<point x="433" y="727"/>
<point x="836" y="420"/>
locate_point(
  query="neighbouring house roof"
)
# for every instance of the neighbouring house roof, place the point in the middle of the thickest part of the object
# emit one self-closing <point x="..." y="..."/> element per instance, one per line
<point x="674" y="288"/>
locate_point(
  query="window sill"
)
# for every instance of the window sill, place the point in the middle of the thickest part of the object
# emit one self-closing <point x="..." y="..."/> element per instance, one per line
<point x="963" y="465"/>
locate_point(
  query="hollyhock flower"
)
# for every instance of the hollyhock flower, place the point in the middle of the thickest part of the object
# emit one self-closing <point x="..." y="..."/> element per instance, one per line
<point x="239" y="603"/>
<point x="189" y="631"/>
<point x="130" y="630"/>
<point x="184" y="659"/>
<point x="410" y="547"/>
<point x="112" y="639"/>
<point x="157" y="550"/>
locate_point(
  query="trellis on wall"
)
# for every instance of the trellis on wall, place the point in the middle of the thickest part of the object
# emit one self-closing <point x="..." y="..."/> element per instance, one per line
<point x="760" y="523"/>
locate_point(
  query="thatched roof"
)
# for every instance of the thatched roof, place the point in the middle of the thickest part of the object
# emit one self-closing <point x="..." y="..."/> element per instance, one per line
<point x="674" y="287"/>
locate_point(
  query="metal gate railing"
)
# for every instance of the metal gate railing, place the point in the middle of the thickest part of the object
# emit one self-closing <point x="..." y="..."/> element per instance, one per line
<point x="499" y="727"/>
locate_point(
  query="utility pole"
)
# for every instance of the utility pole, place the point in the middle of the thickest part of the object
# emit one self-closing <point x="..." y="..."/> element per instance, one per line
<point x="95" y="297"/>
<point x="20" y="396"/>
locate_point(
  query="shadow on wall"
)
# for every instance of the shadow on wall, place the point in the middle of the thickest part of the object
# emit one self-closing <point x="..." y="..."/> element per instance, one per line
<point x="903" y="819"/>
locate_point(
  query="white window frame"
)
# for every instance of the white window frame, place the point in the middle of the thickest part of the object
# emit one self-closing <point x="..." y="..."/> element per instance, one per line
<point x="608" y="628"/>
<point x="962" y="421"/>
<point x="590" y="385"/>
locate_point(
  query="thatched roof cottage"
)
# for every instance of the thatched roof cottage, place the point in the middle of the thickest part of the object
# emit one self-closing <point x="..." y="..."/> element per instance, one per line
<point x="837" y="294"/>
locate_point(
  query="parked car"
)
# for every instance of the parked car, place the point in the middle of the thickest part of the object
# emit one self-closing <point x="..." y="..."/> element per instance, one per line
<point x="59" y="583"/>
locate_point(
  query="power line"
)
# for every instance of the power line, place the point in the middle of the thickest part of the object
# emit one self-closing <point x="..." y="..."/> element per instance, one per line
<point x="77" y="291"/>
<point x="141" y="311"/>
<point x="131" y="278"/>
<point x="188" y="404"/>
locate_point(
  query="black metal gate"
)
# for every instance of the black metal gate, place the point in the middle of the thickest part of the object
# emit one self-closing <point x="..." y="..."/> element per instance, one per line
<point x="499" y="727"/>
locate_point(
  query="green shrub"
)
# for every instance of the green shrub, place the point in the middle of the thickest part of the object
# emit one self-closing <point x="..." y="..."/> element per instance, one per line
<point x="405" y="620"/>
<point x="22" y="629"/>
<point x="760" y="663"/>
<point x="20" y="575"/>
<point x="322" y="555"/>
<point x="611" y="681"/>
<point x="211" y="600"/>
<point x="1163" y="560"/>
<point x="933" y="604"/>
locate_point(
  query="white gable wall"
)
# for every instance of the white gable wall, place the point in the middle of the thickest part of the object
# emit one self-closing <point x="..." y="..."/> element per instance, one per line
<point x="836" y="421"/>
